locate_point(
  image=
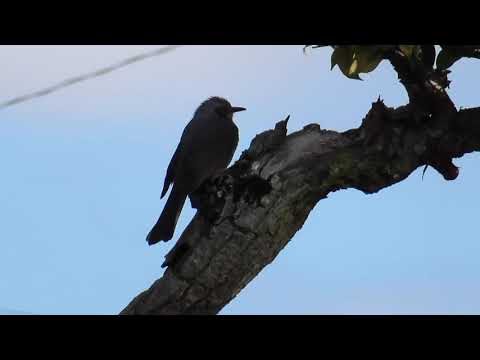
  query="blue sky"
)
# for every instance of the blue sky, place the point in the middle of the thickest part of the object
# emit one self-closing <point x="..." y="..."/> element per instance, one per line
<point x="82" y="171"/>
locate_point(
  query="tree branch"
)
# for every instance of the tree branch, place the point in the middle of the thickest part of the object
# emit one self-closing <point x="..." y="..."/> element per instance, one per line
<point x="246" y="216"/>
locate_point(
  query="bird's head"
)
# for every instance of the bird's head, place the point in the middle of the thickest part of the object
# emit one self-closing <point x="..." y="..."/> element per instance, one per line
<point x="221" y="107"/>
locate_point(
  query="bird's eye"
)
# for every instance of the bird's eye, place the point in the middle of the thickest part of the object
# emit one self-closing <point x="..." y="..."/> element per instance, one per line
<point x="222" y="111"/>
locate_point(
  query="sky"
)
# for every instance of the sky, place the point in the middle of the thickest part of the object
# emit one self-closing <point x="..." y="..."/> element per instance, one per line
<point x="82" y="171"/>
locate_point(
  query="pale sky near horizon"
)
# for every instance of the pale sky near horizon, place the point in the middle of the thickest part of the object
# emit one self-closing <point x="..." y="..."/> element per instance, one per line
<point x="82" y="171"/>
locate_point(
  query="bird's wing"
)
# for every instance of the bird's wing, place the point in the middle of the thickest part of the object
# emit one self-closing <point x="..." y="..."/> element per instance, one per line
<point x="179" y="152"/>
<point x="170" y="172"/>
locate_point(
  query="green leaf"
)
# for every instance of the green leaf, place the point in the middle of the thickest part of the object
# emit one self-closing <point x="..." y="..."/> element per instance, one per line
<point x="354" y="60"/>
<point x="412" y="52"/>
<point x="407" y="50"/>
<point x="368" y="57"/>
<point x="353" y="70"/>
<point x="340" y="55"/>
<point x="447" y="57"/>
<point x="451" y="54"/>
<point x="343" y="56"/>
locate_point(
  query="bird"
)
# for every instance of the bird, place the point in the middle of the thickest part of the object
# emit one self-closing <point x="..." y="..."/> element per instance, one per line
<point x="207" y="146"/>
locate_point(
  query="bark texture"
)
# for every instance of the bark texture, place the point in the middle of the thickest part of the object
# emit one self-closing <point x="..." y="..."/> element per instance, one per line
<point x="247" y="215"/>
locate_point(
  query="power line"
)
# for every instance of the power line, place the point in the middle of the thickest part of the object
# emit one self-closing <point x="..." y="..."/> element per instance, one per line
<point x="91" y="75"/>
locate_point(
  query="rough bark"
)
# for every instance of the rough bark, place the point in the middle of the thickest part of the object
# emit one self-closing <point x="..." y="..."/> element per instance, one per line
<point x="247" y="215"/>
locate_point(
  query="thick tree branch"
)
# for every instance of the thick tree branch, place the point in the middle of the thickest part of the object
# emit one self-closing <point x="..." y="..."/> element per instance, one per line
<point x="246" y="216"/>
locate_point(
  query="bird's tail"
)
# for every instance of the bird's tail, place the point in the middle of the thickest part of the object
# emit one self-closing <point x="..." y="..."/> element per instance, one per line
<point x="165" y="226"/>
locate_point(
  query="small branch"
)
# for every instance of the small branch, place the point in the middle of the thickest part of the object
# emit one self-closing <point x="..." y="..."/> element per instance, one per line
<point x="426" y="87"/>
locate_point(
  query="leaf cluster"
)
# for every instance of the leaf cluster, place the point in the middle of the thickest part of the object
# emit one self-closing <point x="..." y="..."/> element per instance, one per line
<point x="354" y="60"/>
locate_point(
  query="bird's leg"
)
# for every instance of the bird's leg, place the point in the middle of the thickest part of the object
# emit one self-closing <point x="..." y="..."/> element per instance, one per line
<point x="218" y="176"/>
<point x="208" y="198"/>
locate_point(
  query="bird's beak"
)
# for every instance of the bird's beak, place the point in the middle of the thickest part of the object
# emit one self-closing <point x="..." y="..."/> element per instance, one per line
<point x="237" y="109"/>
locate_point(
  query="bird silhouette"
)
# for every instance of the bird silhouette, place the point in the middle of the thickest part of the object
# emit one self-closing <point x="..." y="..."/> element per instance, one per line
<point x="207" y="146"/>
